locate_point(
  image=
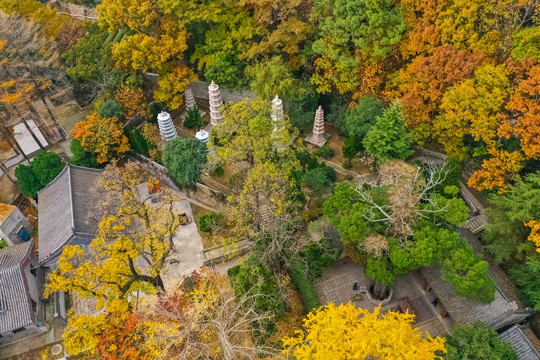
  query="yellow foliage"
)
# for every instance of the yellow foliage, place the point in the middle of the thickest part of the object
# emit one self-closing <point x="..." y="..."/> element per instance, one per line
<point x="345" y="332"/>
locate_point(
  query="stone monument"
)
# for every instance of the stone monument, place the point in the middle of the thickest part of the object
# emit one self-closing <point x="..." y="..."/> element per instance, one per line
<point x="166" y="126"/>
<point x="215" y="100"/>
<point x="277" y="109"/>
<point x="190" y="99"/>
<point x="203" y="136"/>
<point x="317" y="136"/>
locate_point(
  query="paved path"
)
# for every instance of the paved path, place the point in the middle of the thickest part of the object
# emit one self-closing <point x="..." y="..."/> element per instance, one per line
<point x="336" y="286"/>
<point x="189" y="247"/>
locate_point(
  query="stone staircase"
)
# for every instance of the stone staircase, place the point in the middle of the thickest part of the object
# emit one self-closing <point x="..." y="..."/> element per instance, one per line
<point x="476" y="223"/>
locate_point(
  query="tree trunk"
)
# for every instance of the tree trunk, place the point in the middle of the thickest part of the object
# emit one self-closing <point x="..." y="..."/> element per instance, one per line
<point x="380" y="290"/>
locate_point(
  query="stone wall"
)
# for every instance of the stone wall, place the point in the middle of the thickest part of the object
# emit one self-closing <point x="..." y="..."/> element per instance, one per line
<point x="206" y="195"/>
<point x="76" y="10"/>
<point x="200" y="90"/>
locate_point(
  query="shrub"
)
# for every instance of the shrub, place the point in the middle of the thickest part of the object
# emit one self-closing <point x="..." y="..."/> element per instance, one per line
<point x="207" y="222"/>
<point x="28" y="181"/>
<point x="109" y="109"/>
<point x="218" y="172"/>
<point x="193" y="118"/>
<point x="3" y="243"/>
<point x="238" y="180"/>
<point x="81" y="157"/>
<point x="304" y="286"/>
<point x="330" y="172"/>
<point x="137" y="141"/>
<point x="319" y="255"/>
<point x="325" y="151"/>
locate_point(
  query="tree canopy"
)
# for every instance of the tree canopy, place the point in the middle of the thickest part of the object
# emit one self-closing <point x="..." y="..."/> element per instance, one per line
<point x="184" y="159"/>
<point x="346" y="332"/>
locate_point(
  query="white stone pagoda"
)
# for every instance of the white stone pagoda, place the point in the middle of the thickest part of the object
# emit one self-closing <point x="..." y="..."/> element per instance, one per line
<point x="203" y="136"/>
<point x="166" y="126"/>
<point x="215" y="100"/>
<point x="277" y="109"/>
<point x="317" y="136"/>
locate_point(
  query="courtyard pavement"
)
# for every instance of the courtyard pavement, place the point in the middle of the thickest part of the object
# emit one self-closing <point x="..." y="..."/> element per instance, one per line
<point x="336" y="286"/>
<point x="189" y="247"/>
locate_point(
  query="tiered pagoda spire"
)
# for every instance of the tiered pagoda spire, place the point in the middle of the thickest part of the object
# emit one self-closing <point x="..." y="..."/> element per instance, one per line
<point x="317" y="135"/>
<point x="277" y="107"/>
<point x="190" y="99"/>
<point x="214" y="97"/>
<point x="166" y="126"/>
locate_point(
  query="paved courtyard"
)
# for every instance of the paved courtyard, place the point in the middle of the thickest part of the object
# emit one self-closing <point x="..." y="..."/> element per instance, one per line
<point x="336" y="285"/>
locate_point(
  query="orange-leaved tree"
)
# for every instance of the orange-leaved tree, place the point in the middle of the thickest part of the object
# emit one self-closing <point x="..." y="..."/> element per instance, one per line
<point x="346" y="332"/>
<point x="421" y="85"/>
<point x="132" y="101"/>
<point x="524" y="106"/>
<point x="101" y="136"/>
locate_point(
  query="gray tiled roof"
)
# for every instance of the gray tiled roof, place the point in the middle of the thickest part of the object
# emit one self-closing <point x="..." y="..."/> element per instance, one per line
<point x="464" y="311"/>
<point x="65" y="208"/>
<point x="15" y="303"/>
<point x="524" y="348"/>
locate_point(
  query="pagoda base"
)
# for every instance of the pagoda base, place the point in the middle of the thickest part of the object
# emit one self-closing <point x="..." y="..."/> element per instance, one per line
<point x="317" y="140"/>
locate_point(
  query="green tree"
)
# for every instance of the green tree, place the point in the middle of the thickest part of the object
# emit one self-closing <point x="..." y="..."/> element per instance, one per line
<point x="184" y="159"/>
<point x="226" y="70"/>
<point x="353" y="32"/>
<point x="527" y="44"/>
<point x="361" y="118"/>
<point x="351" y="147"/>
<point x="137" y="141"/>
<point x="388" y="138"/>
<point x="81" y="157"/>
<point x="110" y="108"/>
<point x="47" y="165"/>
<point x="247" y="132"/>
<point x="193" y="118"/>
<point x="527" y="277"/>
<point x="273" y="77"/>
<point x="506" y="235"/>
<point x="317" y="181"/>
<point x="28" y="181"/>
<point x="477" y="342"/>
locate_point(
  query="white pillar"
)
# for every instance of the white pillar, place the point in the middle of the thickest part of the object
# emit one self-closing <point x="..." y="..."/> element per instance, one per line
<point x="215" y="100"/>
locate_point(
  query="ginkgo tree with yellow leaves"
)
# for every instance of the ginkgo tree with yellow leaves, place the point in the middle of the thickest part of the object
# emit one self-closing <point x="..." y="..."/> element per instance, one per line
<point x="345" y="332"/>
<point x="131" y="250"/>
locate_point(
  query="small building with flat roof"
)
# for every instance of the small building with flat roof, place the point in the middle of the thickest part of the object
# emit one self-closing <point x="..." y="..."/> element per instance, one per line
<point x="14" y="226"/>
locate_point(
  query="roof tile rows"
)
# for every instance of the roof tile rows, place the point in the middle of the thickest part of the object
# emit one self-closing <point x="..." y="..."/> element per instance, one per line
<point x="15" y="302"/>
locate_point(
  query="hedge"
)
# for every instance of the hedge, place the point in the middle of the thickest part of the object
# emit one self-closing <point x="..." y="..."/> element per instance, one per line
<point x="304" y="286"/>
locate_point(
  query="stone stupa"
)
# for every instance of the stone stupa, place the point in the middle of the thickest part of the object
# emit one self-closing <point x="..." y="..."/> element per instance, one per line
<point x="166" y="126"/>
<point x="317" y="136"/>
<point x="215" y="100"/>
<point x="189" y="98"/>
